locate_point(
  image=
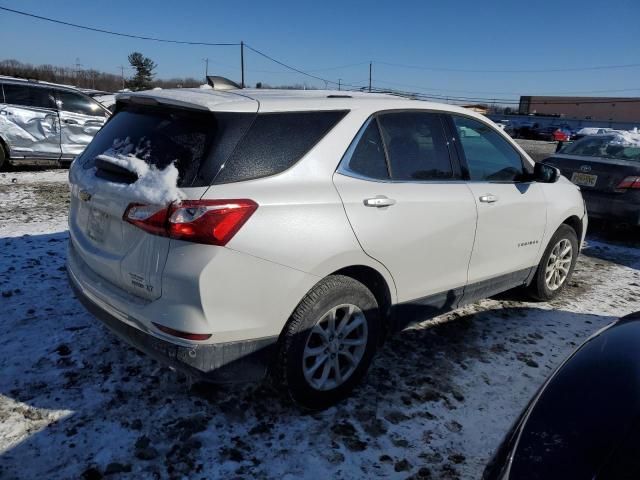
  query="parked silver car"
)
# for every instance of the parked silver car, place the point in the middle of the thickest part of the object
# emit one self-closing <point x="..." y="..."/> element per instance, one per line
<point x="45" y="124"/>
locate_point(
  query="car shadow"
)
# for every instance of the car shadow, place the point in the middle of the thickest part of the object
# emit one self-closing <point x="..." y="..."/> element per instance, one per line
<point x="75" y="401"/>
<point x="616" y="246"/>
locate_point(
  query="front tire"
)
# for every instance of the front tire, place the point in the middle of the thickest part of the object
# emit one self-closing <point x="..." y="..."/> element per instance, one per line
<point x="329" y="342"/>
<point x="556" y="266"/>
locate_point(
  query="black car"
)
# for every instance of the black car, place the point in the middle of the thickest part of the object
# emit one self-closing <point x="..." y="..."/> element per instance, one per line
<point x="607" y="169"/>
<point x="584" y="423"/>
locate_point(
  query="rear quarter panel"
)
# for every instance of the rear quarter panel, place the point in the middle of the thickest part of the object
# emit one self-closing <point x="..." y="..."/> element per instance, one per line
<point x="301" y="222"/>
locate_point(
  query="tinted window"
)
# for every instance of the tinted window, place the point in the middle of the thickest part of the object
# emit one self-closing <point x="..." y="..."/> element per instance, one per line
<point x="416" y="146"/>
<point x="75" y="103"/>
<point x="489" y="156"/>
<point x="366" y="156"/>
<point x="275" y="142"/>
<point x="28" y="96"/>
<point x="198" y="142"/>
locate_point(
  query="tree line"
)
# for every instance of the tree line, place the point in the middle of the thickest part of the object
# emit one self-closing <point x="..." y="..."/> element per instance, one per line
<point x="143" y="77"/>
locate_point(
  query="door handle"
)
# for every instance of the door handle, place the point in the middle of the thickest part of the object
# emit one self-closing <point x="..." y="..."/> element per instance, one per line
<point x="379" y="201"/>
<point x="489" y="198"/>
<point x="71" y="121"/>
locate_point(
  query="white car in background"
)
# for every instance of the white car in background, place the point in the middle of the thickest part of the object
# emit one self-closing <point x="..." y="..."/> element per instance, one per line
<point x="237" y="233"/>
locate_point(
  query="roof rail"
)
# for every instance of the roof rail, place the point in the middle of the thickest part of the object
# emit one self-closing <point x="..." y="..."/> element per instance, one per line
<point x="222" y="83"/>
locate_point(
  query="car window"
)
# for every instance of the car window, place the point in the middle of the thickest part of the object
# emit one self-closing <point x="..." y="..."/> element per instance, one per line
<point x="416" y="146"/>
<point x="275" y="142"/>
<point x="366" y="156"/>
<point x="28" y="96"/>
<point x="606" y="146"/>
<point x="489" y="156"/>
<point x="75" y="103"/>
<point x="197" y="143"/>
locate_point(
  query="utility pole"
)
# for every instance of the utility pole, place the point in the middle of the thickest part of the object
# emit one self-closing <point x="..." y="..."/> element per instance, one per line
<point x="339" y="81"/>
<point x="370" y="65"/>
<point x="206" y="69"/>
<point x="122" y="75"/>
<point x="242" y="63"/>
<point x="78" y="65"/>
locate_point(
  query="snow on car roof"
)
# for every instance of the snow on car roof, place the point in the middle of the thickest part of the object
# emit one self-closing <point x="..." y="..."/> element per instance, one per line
<point x="273" y="100"/>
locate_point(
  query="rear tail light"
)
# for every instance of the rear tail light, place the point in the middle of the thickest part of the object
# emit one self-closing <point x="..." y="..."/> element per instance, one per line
<point x="213" y="222"/>
<point x="629" y="182"/>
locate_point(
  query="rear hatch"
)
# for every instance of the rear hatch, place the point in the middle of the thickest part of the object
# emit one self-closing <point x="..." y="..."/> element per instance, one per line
<point x="108" y="177"/>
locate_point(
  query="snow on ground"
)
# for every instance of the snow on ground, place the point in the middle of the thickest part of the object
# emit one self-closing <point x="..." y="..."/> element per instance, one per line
<point x="75" y="402"/>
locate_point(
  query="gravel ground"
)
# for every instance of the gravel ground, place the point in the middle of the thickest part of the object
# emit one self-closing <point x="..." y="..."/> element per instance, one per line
<point x="77" y="403"/>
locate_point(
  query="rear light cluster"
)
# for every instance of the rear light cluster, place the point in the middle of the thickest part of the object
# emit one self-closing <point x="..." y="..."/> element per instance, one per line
<point x="629" y="182"/>
<point x="212" y="222"/>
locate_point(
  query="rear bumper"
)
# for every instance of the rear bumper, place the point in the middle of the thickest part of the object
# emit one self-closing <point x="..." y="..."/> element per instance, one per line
<point x="230" y="362"/>
<point x="614" y="207"/>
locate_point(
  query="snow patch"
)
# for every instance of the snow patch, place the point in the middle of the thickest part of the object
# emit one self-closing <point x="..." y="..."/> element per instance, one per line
<point x="154" y="186"/>
<point x="626" y="139"/>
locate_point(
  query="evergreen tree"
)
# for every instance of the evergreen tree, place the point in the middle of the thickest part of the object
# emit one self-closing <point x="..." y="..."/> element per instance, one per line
<point x="144" y="67"/>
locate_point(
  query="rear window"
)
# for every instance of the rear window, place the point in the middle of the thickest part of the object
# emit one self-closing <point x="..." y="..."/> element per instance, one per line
<point x="621" y="147"/>
<point x="198" y="142"/>
<point x="275" y="142"/>
<point x="212" y="147"/>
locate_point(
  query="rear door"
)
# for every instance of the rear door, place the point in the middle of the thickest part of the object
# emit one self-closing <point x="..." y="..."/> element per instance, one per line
<point x="195" y="142"/>
<point x="511" y="212"/>
<point x="408" y="206"/>
<point x="80" y="119"/>
<point x="29" y="121"/>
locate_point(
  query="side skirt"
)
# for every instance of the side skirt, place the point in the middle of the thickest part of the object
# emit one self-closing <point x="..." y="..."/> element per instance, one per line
<point x="425" y="308"/>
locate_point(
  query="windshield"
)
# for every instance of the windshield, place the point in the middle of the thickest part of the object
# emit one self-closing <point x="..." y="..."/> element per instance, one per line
<point x="609" y="146"/>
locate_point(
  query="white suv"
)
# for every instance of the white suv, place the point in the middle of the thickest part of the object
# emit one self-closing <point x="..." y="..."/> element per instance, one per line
<point x="236" y="233"/>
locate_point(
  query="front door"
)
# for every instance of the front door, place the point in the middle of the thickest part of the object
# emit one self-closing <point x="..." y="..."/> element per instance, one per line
<point x="511" y="211"/>
<point x="80" y="119"/>
<point x="409" y="208"/>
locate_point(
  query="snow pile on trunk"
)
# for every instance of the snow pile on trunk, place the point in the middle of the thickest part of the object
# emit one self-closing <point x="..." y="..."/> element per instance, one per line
<point x="626" y="139"/>
<point x="154" y="186"/>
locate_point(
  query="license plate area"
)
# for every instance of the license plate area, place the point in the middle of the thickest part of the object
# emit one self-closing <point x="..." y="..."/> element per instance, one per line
<point x="584" y="179"/>
<point x="97" y="225"/>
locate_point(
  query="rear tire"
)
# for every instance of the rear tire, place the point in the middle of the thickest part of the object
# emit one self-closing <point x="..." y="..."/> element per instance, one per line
<point x="329" y="342"/>
<point x="556" y="266"/>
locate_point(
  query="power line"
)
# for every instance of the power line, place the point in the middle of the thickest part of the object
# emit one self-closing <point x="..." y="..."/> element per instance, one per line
<point x="294" y="69"/>
<point x="120" y="34"/>
<point x="545" y="70"/>
<point x="573" y="92"/>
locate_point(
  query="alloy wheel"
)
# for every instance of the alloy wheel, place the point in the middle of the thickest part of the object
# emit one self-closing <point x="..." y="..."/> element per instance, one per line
<point x="335" y="346"/>
<point x="558" y="264"/>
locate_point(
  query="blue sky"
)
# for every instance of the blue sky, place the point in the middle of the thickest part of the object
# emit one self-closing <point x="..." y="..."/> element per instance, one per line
<point x="319" y="36"/>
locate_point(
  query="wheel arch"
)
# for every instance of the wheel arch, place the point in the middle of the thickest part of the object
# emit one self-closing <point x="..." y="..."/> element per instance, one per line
<point x="5" y="146"/>
<point x="377" y="284"/>
<point x="574" y="222"/>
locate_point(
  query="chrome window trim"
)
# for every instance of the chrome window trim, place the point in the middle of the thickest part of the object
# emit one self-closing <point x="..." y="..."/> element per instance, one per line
<point x="343" y="166"/>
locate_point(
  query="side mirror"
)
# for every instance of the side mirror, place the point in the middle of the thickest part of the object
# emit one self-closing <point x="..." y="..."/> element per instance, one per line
<point x="544" y="173"/>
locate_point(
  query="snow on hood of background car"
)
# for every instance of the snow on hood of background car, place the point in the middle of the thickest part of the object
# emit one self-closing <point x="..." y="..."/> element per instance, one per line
<point x="154" y="186"/>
